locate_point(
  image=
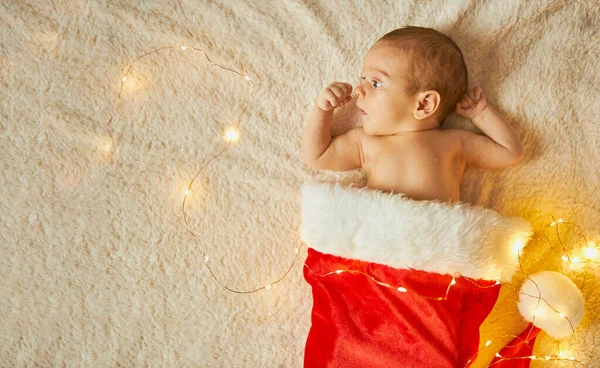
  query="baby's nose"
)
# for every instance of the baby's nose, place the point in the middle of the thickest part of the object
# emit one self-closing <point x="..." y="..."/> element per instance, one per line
<point x="357" y="91"/>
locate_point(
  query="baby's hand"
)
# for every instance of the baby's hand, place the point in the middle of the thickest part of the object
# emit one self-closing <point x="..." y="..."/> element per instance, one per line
<point x="472" y="104"/>
<point x="335" y="95"/>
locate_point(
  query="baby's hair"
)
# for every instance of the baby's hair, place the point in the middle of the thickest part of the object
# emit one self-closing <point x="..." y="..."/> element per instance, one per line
<point x="435" y="62"/>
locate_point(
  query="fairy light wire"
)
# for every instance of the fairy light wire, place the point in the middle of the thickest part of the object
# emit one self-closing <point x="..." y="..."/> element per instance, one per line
<point x="231" y="135"/>
<point x="544" y="357"/>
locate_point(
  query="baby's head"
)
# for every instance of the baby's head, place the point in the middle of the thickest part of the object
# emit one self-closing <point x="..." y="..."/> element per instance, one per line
<point x="413" y="78"/>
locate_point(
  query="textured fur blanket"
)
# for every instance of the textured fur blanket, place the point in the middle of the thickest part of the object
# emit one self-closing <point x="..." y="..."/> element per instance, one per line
<point x="98" y="267"/>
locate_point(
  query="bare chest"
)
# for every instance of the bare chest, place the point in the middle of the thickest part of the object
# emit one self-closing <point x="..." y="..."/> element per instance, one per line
<point x="423" y="166"/>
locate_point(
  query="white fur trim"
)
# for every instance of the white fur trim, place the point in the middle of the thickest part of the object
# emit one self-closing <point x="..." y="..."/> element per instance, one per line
<point x="391" y="229"/>
<point x="560" y="294"/>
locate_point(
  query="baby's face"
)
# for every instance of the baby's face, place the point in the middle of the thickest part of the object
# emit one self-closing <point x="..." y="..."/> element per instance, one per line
<point x="381" y="91"/>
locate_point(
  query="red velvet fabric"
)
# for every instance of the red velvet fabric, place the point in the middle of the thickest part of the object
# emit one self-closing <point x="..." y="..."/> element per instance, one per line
<point x="521" y="346"/>
<point x="359" y="323"/>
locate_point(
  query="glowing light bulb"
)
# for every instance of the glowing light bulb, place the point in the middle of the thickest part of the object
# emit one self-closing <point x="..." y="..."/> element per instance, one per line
<point x="591" y="253"/>
<point x="108" y="146"/>
<point x="231" y="134"/>
<point x="518" y="245"/>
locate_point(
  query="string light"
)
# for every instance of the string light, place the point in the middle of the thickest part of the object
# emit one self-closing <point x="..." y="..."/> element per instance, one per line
<point x="232" y="135"/>
<point x="592" y="250"/>
<point x="400" y="289"/>
<point x="518" y="245"/>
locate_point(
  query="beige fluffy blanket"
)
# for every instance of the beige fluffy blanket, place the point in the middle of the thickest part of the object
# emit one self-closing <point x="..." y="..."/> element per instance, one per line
<point x="98" y="265"/>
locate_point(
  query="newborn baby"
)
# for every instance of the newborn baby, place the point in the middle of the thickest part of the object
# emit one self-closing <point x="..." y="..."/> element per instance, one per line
<point x="414" y="77"/>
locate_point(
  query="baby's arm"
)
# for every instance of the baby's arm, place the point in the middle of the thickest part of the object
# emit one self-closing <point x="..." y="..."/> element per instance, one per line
<point x="319" y="149"/>
<point x="500" y="147"/>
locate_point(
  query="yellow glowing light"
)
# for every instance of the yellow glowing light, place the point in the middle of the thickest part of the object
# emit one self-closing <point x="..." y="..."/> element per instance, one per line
<point x="453" y="282"/>
<point x="338" y="271"/>
<point x="231" y="134"/>
<point x="575" y="262"/>
<point x="591" y="253"/>
<point x="560" y="220"/>
<point x="488" y="343"/>
<point x="547" y="357"/>
<point x="518" y="245"/>
<point x="561" y="354"/>
<point x="108" y="146"/>
<point x="402" y="290"/>
<point x="553" y="223"/>
<point x="565" y="258"/>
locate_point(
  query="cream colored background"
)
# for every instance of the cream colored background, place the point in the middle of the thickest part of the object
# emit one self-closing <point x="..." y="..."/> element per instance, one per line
<point x="98" y="267"/>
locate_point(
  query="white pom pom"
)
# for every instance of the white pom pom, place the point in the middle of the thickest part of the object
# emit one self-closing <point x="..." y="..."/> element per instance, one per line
<point x="561" y="293"/>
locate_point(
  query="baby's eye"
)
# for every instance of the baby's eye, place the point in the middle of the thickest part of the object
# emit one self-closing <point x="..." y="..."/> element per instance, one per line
<point x="362" y="78"/>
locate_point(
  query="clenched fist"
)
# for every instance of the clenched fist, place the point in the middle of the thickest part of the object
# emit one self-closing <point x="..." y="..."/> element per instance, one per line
<point x="335" y="95"/>
<point x="472" y="103"/>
